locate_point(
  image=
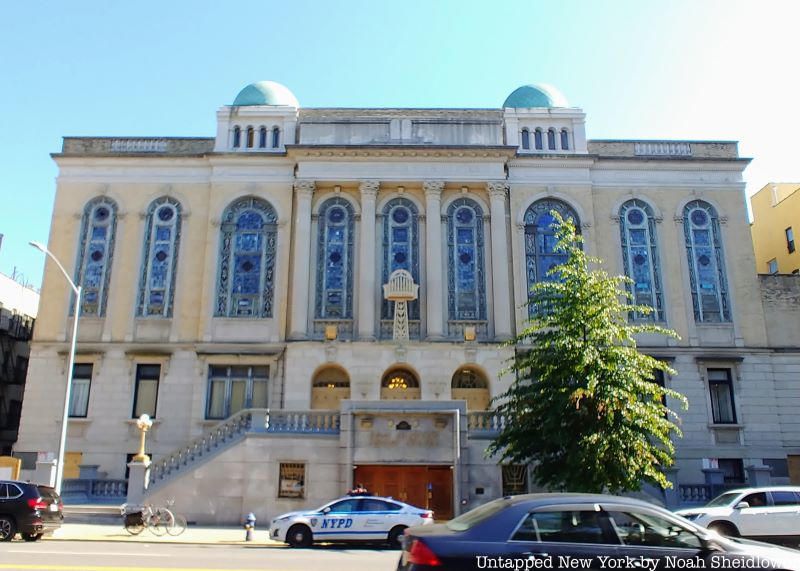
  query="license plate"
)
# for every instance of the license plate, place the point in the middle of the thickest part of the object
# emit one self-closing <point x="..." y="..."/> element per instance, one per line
<point x="53" y="507"/>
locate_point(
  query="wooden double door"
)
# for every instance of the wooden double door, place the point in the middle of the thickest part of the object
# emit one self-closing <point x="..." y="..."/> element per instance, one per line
<point x="429" y="487"/>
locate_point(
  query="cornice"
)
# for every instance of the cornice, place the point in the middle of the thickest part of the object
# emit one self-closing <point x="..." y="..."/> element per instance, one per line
<point x="334" y="152"/>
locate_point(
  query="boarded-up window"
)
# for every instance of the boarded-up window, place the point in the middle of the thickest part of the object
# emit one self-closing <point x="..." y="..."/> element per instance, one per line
<point x="292" y="483"/>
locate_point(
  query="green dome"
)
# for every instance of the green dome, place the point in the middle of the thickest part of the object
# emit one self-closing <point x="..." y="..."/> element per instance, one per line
<point x="265" y="93"/>
<point x="539" y="95"/>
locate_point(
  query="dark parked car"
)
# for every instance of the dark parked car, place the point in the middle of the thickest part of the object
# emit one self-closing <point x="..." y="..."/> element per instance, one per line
<point x="29" y="510"/>
<point x="580" y="531"/>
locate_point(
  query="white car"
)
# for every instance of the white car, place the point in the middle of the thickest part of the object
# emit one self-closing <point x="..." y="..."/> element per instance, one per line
<point x="759" y="513"/>
<point x="352" y="518"/>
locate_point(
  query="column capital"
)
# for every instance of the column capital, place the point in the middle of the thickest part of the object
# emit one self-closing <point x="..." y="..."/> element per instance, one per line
<point x="433" y="188"/>
<point x="305" y="188"/>
<point x="497" y="188"/>
<point x="369" y="188"/>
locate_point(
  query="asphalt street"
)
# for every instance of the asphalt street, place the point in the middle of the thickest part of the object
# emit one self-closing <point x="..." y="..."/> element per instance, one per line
<point x="108" y="556"/>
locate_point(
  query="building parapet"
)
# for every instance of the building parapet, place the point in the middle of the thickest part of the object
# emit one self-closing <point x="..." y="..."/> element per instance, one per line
<point x="665" y="149"/>
<point x="137" y="145"/>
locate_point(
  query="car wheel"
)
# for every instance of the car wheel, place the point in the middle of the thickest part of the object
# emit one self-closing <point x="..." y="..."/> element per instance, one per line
<point x="31" y="536"/>
<point x="395" y="535"/>
<point x="8" y="528"/>
<point x="299" y="536"/>
<point x="724" y="528"/>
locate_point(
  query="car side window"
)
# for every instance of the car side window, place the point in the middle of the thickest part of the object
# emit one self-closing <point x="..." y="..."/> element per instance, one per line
<point x="345" y="506"/>
<point x="3" y="491"/>
<point x="373" y="505"/>
<point x="645" y="529"/>
<point x="561" y="527"/>
<point x="784" y="498"/>
<point x="758" y="500"/>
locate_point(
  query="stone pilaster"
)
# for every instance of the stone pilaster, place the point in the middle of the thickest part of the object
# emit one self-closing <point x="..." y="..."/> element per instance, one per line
<point x="366" y="282"/>
<point x="433" y="237"/>
<point x="498" y="191"/>
<point x="302" y="255"/>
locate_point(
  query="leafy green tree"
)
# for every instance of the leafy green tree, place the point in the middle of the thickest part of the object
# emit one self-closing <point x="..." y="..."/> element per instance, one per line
<point x="584" y="410"/>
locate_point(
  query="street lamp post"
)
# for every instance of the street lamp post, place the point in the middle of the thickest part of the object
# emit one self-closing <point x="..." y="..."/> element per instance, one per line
<point x="65" y="414"/>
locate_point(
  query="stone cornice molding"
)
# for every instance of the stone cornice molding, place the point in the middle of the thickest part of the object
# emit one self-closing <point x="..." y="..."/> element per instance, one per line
<point x="369" y="188"/>
<point x="433" y="189"/>
<point x="497" y="188"/>
<point x="406" y="151"/>
<point x="305" y="188"/>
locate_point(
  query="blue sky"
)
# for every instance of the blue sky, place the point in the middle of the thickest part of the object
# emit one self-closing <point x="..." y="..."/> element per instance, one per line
<point x="683" y="69"/>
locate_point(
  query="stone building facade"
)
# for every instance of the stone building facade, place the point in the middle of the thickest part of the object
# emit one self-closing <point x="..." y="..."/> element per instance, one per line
<point x="235" y="292"/>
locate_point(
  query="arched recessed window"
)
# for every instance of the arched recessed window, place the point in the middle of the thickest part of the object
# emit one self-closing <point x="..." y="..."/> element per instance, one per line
<point x="537" y="139"/>
<point x="466" y="292"/>
<point x="400" y="384"/>
<point x="262" y="138"/>
<point x="551" y="139"/>
<point x="237" y="137"/>
<point x="335" y="260"/>
<point x="329" y="386"/>
<point x="159" y="261"/>
<point x="541" y="254"/>
<point x="640" y="257"/>
<point x="276" y="137"/>
<point x="246" y="280"/>
<point x="250" y="137"/>
<point x="564" y="140"/>
<point x="526" y="139"/>
<point x="706" y="262"/>
<point x="400" y="248"/>
<point x="95" y="254"/>
<point x="470" y="385"/>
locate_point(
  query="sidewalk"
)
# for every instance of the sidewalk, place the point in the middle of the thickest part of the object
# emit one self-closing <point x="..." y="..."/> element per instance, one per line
<point x="194" y="535"/>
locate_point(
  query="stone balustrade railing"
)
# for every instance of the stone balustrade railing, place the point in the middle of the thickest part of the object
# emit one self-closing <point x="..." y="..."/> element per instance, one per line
<point x="485" y="424"/>
<point x="663" y="149"/>
<point x="91" y="490"/>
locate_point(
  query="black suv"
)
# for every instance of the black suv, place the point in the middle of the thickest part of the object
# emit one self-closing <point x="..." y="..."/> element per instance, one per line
<point x="29" y="510"/>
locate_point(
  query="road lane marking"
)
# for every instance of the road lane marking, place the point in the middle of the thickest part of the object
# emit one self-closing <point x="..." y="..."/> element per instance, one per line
<point x="116" y="553"/>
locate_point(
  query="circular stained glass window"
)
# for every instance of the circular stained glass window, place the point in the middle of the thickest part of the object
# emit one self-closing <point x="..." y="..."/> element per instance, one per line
<point x="400" y="215"/>
<point x="247" y="266"/>
<point x="97" y="255"/>
<point x="101" y="213"/>
<point x="165" y="213"/>
<point x="639" y="260"/>
<point x="400" y="257"/>
<point x="335" y="257"/>
<point x="635" y="216"/>
<point x="704" y="260"/>
<point x="161" y="255"/>
<point x="336" y="215"/>
<point x="464" y="215"/>
<point x="699" y="217"/>
<point x="465" y="258"/>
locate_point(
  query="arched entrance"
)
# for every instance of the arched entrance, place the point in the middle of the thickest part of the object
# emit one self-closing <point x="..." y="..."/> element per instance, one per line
<point x="329" y="387"/>
<point x="400" y="384"/>
<point x="470" y="385"/>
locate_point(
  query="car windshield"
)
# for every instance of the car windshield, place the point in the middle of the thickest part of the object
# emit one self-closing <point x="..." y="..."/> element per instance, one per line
<point x="476" y="516"/>
<point x="723" y="500"/>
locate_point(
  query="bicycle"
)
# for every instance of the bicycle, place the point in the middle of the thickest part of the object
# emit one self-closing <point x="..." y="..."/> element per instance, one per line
<point x="178" y="521"/>
<point x="158" y="520"/>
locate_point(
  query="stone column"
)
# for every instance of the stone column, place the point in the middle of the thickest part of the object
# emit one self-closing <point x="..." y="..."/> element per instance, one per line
<point x="433" y="237"/>
<point x="45" y="473"/>
<point x="301" y="263"/>
<point x="759" y="476"/>
<point x="500" y="260"/>
<point x="672" y="496"/>
<point x="366" y="282"/>
<point x="138" y="482"/>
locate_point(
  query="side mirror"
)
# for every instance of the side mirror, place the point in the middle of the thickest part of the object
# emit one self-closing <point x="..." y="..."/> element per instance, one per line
<point x="741" y="506"/>
<point x="326" y="510"/>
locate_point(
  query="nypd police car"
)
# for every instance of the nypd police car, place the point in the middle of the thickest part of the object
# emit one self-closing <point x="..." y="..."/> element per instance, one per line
<point x="359" y="518"/>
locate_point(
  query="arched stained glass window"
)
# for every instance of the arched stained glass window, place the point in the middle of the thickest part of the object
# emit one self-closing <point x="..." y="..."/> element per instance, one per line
<point x="551" y="139"/>
<point x="526" y="139"/>
<point x="246" y="279"/>
<point x="540" y="240"/>
<point x="640" y="257"/>
<point x="400" y="248"/>
<point x="159" y="262"/>
<point x="335" y="260"/>
<point x="262" y="138"/>
<point x="466" y="291"/>
<point x="95" y="254"/>
<point x="237" y="137"/>
<point x="564" y="139"/>
<point x="537" y="139"/>
<point x="706" y="263"/>
<point x="276" y="137"/>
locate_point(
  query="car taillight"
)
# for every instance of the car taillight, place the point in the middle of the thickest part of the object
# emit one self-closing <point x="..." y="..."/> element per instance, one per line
<point x="421" y="554"/>
<point x="37" y="504"/>
<point x="427" y="515"/>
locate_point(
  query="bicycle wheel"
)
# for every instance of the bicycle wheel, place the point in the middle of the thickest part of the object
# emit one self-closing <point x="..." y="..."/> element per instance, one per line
<point x="178" y="525"/>
<point x="160" y="521"/>
<point x="134" y="523"/>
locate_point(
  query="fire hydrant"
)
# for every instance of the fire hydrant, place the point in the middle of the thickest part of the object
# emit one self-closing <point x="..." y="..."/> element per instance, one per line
<point x="249" y="526"/>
